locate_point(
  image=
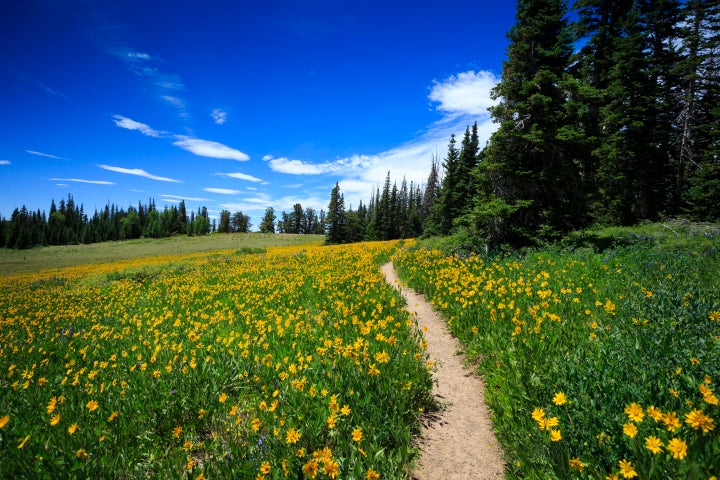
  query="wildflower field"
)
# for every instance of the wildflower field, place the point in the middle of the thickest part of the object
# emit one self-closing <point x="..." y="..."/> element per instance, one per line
<point x="597" y="365"/>
<point x="289" y="362"/>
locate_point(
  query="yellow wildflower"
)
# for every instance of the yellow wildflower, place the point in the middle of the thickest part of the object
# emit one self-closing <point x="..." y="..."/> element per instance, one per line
<point x="357" y="435"/>
<point x="630" y="430"/>
<point x="538" y="414"/>
<point x="310" y="469"/>
<point x="576" y="464"/>
<point x="55" y="420"/>
<point x="559" y="399"/>
<point x="653" y="444"/>
<point x="4" y="421"/>
<point x="626" y="469"/>
<point x="555" y="435"/>
<point x="372" y="475"/>
<point x="678" y="448"/>
<point x="698" y="420"/>
<point x="635" y="412"/>
<point x="292" y="436"/>
<point x="331" y="468"/>
<point x="671" y="421"/>
<point x="92" y="405"/>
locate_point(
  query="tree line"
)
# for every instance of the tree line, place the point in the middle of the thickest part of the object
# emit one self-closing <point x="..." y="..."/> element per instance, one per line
<point x="610" y="119"/>
<point x="67" y="223"/>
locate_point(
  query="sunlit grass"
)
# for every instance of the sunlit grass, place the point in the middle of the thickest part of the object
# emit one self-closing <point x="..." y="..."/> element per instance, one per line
<point x="596" y="365"/>
<point x="297" y="363"/>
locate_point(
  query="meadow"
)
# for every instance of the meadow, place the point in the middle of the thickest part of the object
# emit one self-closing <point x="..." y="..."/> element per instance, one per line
<point x="39" y="259"/>
<point x="254" y="362"/>
<point x="601" y="357"/>
<point x="599" y="363"/>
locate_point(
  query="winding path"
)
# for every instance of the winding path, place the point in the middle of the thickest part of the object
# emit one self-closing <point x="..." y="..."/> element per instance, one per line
<point x="457" y="443"/>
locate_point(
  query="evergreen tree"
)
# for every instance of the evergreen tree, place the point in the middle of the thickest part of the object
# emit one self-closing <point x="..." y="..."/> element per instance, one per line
<point x="224" y="225"/>
<point x="240" y="223"/>
<point x="526" y="169"/>
<point x="267" y="225"/>
<point x="336" y="222"/>
<point x="698" y="169"/>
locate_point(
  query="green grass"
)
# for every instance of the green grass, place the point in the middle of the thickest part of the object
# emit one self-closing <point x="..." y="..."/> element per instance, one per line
<point x="43" y="258"/>
<point x="634" y="322"/>
<point x="299" y="362"/>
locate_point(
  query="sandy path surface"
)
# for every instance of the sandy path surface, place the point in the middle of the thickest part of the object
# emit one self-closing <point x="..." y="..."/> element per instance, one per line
<point x="457" y="442"/>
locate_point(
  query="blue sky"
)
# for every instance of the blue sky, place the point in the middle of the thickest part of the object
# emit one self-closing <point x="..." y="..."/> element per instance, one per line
<point x="237" y="105"/>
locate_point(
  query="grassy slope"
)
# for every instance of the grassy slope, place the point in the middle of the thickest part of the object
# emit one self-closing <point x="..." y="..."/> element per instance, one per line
<point x="31" y="261"/>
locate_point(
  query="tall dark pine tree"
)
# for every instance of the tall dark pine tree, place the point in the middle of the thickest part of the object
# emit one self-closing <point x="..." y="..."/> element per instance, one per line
<point x="698" y="177"/>
<point x="464" y="191"/>
<point x="526" y="165"/>
<point x="432" y="189"/>
<point x="335" y="220"/>
<point x="444" y="209"/>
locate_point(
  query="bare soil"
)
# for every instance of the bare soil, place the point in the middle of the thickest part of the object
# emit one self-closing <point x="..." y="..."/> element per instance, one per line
<point x="457" y="442"/>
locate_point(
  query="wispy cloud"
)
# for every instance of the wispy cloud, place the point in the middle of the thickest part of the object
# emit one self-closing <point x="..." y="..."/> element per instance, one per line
<point x="241" y="176"/>
<point x="138" y="172"/>
<point x="208" y="148"/>
<point x="222" y="191"/>
<point x="134" y="56"/>
<point x="80" y="180"/>
<point x="130" y="124"/>
<point x="198" y="146"/>
<point x="5" y="162"/>
<point x="48" y="155"/>
<point x="218" y="116"/>
<point x="178" y="103"/>
<point x="165" y="85"/>
<point x="49" y="90"/>
<point x="168" y="197"/>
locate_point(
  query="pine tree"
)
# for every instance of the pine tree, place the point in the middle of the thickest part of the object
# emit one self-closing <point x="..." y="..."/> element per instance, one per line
<point x="526" y="166"/>
<point x="698" y="171"/>
<point x="267" y="225"/>
<point x="336" y="221"/>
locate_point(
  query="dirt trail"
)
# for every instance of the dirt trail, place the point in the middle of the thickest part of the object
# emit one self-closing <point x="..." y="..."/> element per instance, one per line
<point x="457" y="443"/>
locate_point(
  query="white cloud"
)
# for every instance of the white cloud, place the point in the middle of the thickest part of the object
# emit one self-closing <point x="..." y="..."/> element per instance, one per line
<point x="138" y="56"/>
<point x="465" y="93"/>
<point x="130" y="124"/>
<point x="218" y="116"/>
<point x="242" y="176"/>
<point x="207" y="148"/>
<point x="222" y="191"/>
<point x="462" y="99"/>
<point x="5" y="162"/>
<point x="198" y="146"/>
<point x="168" y="197"/>
<point x="80" y="180"/>
<point x="41" y="154"/>
<point x="138" y="172"/>
<point x="300" y="167"/>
